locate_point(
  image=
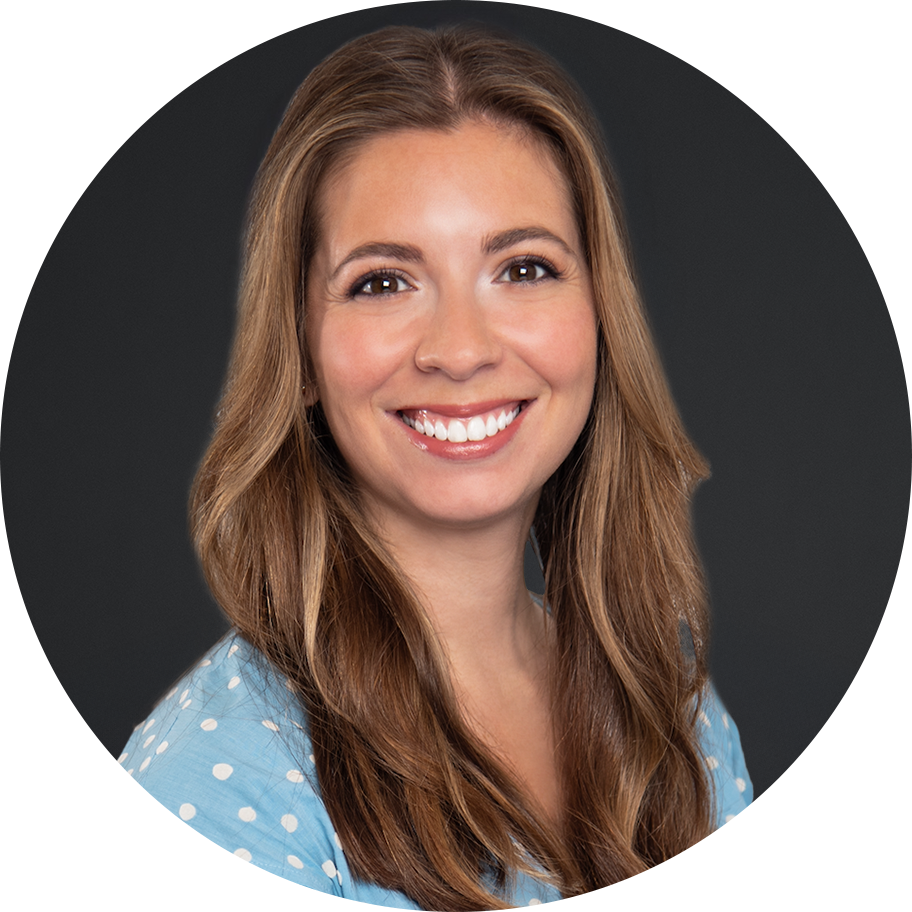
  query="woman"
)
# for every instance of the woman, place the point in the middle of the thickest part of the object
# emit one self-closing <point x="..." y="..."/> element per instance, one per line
<point x="440" y="349"/>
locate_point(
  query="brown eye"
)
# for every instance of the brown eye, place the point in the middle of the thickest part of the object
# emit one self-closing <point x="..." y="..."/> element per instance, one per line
<point x="525" y="271"/>
<point x="380" y="284"/>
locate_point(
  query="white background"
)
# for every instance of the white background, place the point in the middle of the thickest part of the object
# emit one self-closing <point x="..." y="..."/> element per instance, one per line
<point x="79" y="78"/>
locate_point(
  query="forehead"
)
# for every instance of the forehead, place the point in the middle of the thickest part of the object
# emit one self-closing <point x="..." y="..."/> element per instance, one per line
<point x="497" y="173"/>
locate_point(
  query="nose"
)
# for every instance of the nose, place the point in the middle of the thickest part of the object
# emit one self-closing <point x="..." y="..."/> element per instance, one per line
<point x="458" y="338"/>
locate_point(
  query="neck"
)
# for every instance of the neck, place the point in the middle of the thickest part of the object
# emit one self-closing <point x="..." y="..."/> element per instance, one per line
<point x="471" y="584"/>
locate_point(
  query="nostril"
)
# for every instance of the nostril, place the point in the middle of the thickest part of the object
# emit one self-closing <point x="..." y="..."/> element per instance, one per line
<point x="458" y="347"/>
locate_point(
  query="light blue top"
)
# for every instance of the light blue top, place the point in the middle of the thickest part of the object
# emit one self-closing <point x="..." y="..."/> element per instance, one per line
<point x="227" y="750"/>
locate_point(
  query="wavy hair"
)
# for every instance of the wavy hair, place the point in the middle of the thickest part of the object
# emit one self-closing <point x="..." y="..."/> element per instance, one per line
<point x="419" y="804"/>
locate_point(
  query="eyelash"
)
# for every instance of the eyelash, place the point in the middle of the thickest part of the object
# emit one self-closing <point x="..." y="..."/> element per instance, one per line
<point x="357" y="287"/>
<point x="552" y="272"/>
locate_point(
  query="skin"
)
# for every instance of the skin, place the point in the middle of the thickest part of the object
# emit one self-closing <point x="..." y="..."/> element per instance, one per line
<point x="450" y="323"/>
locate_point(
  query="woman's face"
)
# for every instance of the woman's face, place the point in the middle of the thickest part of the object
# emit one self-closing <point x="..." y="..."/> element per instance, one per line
<point x="450" y="322"/>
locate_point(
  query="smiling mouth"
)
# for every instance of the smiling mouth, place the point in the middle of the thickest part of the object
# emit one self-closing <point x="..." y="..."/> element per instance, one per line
<point x="459" y="430"/>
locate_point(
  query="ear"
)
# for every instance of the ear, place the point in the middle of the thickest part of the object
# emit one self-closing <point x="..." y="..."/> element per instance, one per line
<point x="311" y="394"/>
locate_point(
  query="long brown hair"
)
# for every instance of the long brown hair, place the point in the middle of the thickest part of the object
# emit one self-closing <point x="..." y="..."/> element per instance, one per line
<point x="419" y="804"/>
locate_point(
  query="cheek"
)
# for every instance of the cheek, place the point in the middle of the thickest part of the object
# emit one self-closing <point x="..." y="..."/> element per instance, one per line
<point x="564" y="349"/>
<point x="353" y="357"/>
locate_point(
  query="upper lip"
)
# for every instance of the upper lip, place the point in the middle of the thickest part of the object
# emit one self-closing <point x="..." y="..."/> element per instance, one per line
<point x="463" y="411"/>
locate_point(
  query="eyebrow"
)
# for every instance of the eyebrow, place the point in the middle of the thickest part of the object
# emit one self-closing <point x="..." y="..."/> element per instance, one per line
<point x="405" y="252"/>
<point x="494" y="243"/>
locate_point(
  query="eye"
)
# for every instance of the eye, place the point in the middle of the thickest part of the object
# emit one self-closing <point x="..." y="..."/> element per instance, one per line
<point x="379" y="283"/>
<point x="528" y="270"/>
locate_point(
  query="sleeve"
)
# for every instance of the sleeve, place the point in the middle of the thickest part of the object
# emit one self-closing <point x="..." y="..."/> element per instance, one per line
<point x="724" y="758"/>
<point x="168" y="889"/>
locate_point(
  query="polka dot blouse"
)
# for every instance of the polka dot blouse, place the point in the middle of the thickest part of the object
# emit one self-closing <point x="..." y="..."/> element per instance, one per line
<point x="227" y="751"/>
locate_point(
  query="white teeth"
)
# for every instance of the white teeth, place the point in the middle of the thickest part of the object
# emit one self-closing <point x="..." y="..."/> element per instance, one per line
<point x="476" y="429"/>
<point x="456" y="432"/>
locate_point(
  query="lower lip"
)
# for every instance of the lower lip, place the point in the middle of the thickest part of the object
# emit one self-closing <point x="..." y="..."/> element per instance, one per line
<point x="471" y="449"/>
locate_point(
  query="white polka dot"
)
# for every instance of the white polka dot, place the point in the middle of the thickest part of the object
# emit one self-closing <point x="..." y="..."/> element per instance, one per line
<point x="312" y="758"/>
<point x="243" y="854"/>
<point x="329" y="869"/>
<point x="186" y="703"/>
<point x="233" y="650"/>
<point x="290" y="822"/>
<point x="122" y="757"/>
<point x="186" y="812"/>
<point x="729" y="817"/>
<point x="725" y="719"/>
<point x="337" y="840"/>
<point x="295" y="724"/>
<point x="705" y="719"/>
<point x="149" y="725"/>
<point x="234" y="682"/>
<point x="222" y="770"/>
<point x="161" y="747"/>
<point x="129" y="772"/>
<point x="145" y="763"/>
<point x="742" y="785"/>
<point x="170" y="693"/>
<point x="294" y="776"/>
<point x="712" y="763"/>
<point x="270" y="725"/>
<point x="534" y="901"/>
<point x="204" y="663"/>
<point x="148" y="740"/>
<point x="208" y="725"/>
<point x="295" y="862"/>
<point x="289" y="685"/>
<point x="247" y="814"/>
<point x="183" y="696"/>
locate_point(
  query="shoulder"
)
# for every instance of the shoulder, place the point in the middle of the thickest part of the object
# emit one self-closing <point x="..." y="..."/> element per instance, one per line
<point x="724" y="757"/>
<point x="227" y="750"/>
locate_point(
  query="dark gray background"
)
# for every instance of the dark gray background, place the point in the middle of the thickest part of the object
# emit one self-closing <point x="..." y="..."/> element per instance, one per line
<point x="775" y="337"/>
